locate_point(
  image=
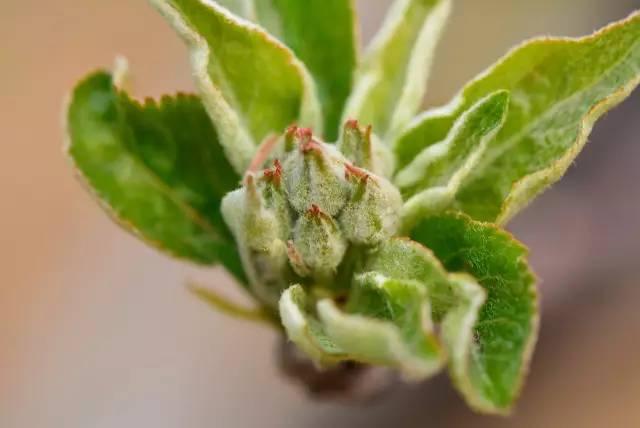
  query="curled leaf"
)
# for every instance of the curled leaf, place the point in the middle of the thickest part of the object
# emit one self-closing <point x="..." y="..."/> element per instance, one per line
<point x="432" y="180"/>
<point x="304" y="329"/>
<point x="489" y="344"/>
<point x="387" y="322"/>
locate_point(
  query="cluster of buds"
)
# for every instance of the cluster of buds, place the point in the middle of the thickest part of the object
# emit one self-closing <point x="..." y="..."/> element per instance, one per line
<point x="305" y="204"/>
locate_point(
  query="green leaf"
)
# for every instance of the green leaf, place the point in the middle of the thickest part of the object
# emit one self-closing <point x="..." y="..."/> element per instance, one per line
<point x="489" y="350"/>
<point x="251" y="84"/>
<point x="392" y="79"/>
<point x="432" y="179"/>
<point x="156" y="167"/>
<point x="322" y="34"/>
<point x="387" y="322"/>
<point x="559" y="88"/>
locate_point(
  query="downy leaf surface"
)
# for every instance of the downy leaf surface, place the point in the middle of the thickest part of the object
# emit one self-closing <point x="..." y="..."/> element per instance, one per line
<point x="434" y="177"/>
<point x="559" y="88"/>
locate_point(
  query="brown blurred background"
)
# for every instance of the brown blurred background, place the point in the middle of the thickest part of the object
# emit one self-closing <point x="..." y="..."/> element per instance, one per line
<point x="96" y="330"/>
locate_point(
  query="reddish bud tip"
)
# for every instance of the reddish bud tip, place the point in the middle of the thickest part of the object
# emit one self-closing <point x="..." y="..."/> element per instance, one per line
<point x="291" y="130"/>
<point x="304" y="134"/>
<point x="351" y="124"/>
<point x="274" y="175"/>
<point x="316" y="213"/>
<point x="351" y="171"/>
<point x="314" y="210"/>
<point x="278" y="166"/>
<point x="310" y="146"/>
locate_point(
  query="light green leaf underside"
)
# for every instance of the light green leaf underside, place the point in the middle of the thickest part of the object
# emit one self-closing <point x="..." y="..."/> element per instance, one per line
<point x="559" y="88"/>
<point x="156" y="167"/>
<point x="303" y="328"/>
<point x="385" y="322"/>
<point x="251" y="84"/>
<point x="430" y="182"/>
<point x="392" y="78"/>
<point x="490" y="349"/>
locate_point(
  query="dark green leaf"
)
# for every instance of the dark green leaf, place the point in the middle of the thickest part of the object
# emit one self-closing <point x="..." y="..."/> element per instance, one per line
<point x="322" y="35"/>
<point x="488" y="362"/>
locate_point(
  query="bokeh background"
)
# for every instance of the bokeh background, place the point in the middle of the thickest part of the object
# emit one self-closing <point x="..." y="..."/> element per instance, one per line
<point x="96" y="330"/>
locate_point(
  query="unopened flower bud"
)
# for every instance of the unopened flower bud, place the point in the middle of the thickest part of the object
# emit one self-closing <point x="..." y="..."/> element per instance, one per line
<point x="355" y="144"/>
<point x="318" y="242"/>
<point x="373" y="211"/>
<point x="266" y="217"/>
<point x="290" y="138"/>
<point x="260" y="220"/>
<point x="313" y="174"/>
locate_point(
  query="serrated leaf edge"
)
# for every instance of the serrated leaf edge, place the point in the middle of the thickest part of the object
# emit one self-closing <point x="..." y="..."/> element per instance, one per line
<point x="112" y="213"/>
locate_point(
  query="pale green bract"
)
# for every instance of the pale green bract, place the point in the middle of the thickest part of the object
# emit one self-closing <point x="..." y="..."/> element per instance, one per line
<point x="384" y="248"/>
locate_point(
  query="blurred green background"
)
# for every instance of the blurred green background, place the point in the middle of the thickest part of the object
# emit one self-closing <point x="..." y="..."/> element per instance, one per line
<point x="96" y="330"/>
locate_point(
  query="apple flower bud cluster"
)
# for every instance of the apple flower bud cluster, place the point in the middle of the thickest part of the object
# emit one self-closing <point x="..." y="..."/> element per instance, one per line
<point x="304" y="204"/>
